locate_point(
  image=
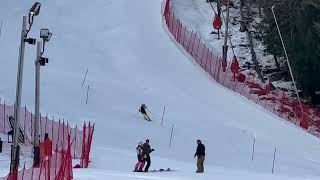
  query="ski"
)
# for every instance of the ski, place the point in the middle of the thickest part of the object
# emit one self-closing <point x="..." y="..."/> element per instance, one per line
<point x="159" y="170"/>
<point x="164" y="170"/>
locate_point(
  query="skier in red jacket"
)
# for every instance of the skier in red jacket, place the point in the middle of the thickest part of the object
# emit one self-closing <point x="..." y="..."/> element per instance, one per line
<point x="140" y="164"/>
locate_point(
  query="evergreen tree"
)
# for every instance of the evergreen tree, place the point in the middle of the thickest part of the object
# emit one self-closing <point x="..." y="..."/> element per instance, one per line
<point x="299" y="23"/>
<point x="306" y="47"/>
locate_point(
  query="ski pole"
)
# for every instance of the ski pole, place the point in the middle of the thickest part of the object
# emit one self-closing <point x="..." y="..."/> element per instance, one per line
<point x="137" y="113"/>
<point x="164" y="109"/>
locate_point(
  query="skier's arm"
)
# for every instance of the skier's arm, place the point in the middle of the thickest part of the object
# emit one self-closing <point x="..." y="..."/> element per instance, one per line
<point x="150" y="150"/>
<point x="197" y="151"/>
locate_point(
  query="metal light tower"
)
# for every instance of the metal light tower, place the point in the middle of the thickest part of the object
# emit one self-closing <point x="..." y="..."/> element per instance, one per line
<point x="45" y="34"/>
<point x="36" y="142"/>
<point x="34" y="11"/>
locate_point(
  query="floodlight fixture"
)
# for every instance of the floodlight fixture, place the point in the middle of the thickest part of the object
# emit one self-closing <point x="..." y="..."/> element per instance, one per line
<point x="43" y="61"/>
<point x="45" y="34"/>
<point x="35" y="9"/>
<point x="31" y="41"/>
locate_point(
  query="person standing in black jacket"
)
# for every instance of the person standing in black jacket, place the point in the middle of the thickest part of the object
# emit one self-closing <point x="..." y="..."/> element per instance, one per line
<point x="146" y="150"/>
<point x="200" y="153"/>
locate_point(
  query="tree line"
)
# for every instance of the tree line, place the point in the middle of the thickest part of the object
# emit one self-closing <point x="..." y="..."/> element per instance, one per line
<point x="299" y="23"/>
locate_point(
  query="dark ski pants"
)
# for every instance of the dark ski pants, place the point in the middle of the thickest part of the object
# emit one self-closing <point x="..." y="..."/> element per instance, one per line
<point x="146" y="117"/>
<point x="148" y="160"/>
<point x="200" y="161"/>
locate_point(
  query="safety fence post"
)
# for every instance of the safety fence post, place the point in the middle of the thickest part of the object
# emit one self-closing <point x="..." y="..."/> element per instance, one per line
<point x="274" y="159"/>
<point x="171" y="135"/>
<point x="23" y="170"/>
<point x="164" y="109"/>
<point x="253" y="148"/>
<point x="75" y="145"/>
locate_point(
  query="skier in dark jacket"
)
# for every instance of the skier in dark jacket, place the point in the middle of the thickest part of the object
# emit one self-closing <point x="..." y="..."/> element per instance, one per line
<point x="146" y="150"/>
<point x="200" y="153"/>
<point x="143" y="110"/>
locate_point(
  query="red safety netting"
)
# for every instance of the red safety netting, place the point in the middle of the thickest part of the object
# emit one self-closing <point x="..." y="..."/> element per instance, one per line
<point x="243" y="82"/>
<point x="87" y="139"/>
<point x="57" y="167"/>
<point x="60" y="134"/>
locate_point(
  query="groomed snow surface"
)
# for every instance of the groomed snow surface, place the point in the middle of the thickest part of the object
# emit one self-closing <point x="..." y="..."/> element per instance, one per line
<point x="131" y="60"/>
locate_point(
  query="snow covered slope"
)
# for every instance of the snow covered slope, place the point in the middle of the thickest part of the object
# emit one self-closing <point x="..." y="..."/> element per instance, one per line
<point x="132" y="60"/>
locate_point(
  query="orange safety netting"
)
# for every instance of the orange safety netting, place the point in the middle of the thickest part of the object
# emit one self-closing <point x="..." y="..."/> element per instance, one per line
<point x="64" y="144"/>
<point x="243" y="82"/>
